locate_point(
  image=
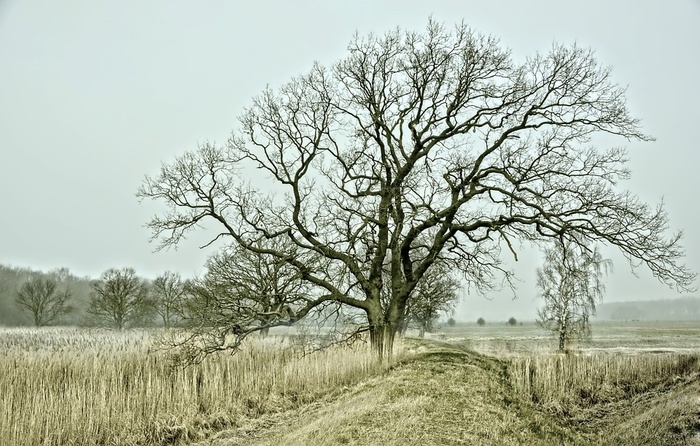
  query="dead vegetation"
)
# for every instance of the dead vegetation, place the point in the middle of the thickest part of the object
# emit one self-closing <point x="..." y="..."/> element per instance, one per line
<point x="74" y="387"/>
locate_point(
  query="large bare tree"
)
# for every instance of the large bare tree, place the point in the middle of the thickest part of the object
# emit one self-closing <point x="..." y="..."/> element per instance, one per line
<point x="415" y="147"/>
<point x="43" y="298"/>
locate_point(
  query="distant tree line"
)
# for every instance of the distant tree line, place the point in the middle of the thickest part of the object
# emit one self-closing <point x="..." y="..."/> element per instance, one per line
<point x="119" y="298"/>
<point x="236" y="284"/>
<point x="679" y="309"/>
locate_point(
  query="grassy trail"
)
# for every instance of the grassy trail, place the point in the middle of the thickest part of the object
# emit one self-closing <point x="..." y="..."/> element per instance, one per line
<point x="444" y="396"/>
<point x="448" y="396"/>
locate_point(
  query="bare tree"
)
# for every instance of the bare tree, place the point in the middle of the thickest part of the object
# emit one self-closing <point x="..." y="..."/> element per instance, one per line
<point x="167" y="295"/>
<point x="242" y="292"/>
<point x="415" y="147"/>
<point x="435" y="294"/>
<point x="44" y="300"/>
<point x="119" y="299"/>
<point x="571" y="284"/>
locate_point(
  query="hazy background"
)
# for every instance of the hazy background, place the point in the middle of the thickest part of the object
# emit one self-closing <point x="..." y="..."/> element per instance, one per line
<point x="95" y="94"/>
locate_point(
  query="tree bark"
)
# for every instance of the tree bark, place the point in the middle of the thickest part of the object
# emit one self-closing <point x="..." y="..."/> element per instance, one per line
<point x="562" y="340"/>
<point x="382" y="337"/>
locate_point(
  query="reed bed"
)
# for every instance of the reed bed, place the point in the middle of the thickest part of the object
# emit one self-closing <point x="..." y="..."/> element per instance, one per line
<point x="564" y="383"/>
<point x="91" y="387"/>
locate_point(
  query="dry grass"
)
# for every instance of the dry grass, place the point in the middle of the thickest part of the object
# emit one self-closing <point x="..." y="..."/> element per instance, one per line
<point x="563" y="383"/>
<point x="79" y="387"/>
<point x="73" y="387"/>
<point x="626" y="399"/>
<point x="444" y="396"/>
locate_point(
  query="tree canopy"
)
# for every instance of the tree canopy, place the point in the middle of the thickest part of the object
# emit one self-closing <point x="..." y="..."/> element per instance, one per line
<point x="420" y="147"/>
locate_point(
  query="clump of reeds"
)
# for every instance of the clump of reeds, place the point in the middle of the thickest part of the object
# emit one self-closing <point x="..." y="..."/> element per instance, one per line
<point x="566" y="382"/>
<point x="79" y="387"/>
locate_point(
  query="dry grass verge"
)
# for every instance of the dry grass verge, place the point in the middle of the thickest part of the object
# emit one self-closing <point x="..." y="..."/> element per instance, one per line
<point x="644" y="399"/>
<point x="562" y="382"/>
<point x="443" y="396"/>
<point x="75" y="387"/>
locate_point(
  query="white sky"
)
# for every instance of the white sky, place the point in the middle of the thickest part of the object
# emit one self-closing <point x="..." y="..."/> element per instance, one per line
<point x="95" y="94"/>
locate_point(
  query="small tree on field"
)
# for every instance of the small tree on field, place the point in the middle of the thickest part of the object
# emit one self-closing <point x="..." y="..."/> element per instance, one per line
<point x="414" y="148"/>
<point x="44" y="300"/>
<point x="571" y="284"/>
<point x="512" y="321"/>
<point x="119" y="299"/>
<point x="435" y="294"/>
<point x="480" y="322"/>
<point x="451" y="322"/>
<point x="167" y="294"/>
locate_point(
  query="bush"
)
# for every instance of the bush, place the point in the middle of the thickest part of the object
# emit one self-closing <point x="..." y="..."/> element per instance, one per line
<point x="451" y="322"/>
<point x="480" y="322"/>
<point x="512" y="322"/>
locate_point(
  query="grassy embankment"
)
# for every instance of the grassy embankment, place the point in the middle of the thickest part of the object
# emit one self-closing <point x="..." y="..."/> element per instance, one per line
<point x="449" y="396"/>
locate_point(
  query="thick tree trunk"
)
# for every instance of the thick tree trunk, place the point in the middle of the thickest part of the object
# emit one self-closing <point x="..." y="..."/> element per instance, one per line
<point x="382" y="337"/>
<point x="384" y="324"/>
<point x="264" y="332"/>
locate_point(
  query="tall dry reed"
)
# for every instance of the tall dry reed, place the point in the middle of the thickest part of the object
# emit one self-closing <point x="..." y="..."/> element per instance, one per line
<point x="562" y="382"/>
<point x="79" y="387"/>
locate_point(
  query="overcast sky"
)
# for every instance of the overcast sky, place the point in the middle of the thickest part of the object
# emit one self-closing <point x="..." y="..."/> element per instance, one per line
<point x="95" y="94"/>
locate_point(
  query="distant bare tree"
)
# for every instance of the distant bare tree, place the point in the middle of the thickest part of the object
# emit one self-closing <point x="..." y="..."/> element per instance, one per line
<point x="168" y="294"/>
<point x="44" y="300"/>
<point x="119" y="299"/>
<point x="571" y="284"/>
<point x="435" y="294"/>
<point x="243" y="292"/>
<point x="413" y="148"/>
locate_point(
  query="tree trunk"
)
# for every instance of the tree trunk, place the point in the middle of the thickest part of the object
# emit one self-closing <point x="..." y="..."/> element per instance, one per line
<point x="562" y="339"/>
<point x="264" y="332"/>
<point x="421" y="331"/>
<point x="382" y="339"/>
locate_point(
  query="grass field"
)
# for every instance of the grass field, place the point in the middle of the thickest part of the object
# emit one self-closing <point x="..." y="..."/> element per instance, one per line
<point x="609" y="337"/>
<point x="631" y="384"/>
